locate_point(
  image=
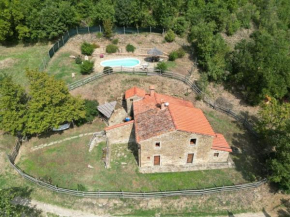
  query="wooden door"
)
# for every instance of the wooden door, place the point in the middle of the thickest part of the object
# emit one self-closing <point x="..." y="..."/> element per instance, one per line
<point x="190" y="158"/>
<point x="156" y="160"/>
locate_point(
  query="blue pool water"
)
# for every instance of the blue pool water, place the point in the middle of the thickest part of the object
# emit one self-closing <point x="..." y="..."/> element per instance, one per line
<point x="126" y="62"/>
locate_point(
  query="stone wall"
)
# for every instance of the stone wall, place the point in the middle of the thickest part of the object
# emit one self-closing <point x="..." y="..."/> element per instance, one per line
<point x="129" y="103"/>
<point x="222" y="156"/>
<point x="174" y="149"/>
<point x="121" y="133"/>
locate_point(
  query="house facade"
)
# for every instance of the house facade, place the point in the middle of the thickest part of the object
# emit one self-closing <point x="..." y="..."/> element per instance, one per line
<point x="171" y="134"/>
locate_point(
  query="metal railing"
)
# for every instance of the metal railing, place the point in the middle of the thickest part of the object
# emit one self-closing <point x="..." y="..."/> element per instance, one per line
<point x="123" y="194"/>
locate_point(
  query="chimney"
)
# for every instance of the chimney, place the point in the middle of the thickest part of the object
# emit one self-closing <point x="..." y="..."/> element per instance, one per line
<point x="152" y="90"/>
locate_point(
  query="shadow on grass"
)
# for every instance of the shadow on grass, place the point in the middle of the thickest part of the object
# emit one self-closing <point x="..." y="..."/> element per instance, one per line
<point x="286" y="211"/>
<point x="20" y="202"/>
<point x="250" y="162"/>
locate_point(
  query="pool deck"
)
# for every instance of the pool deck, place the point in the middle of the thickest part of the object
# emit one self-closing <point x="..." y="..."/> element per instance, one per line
<point x="98" y="60"/>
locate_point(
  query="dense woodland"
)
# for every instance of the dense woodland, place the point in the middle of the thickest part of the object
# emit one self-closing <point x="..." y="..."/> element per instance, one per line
<point x="258" y="67"/>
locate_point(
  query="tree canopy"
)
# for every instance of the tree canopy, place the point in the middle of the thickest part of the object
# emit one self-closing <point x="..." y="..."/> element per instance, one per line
<point x="47" y="104"/>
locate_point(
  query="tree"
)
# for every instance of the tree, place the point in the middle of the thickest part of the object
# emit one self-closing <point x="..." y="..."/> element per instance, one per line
<point x="50" y="104"/>
<point x="9" y="209"/>
<point x="170" y="36"/>
<point x="13" y="102"/>
<point x="279" y="163"/>
<point x="127" y="12"/>
<point x="91" y="112"/>
<point x="108" y="28"/>
<point x="104" y="10"/>
<point x="273" y="117"/>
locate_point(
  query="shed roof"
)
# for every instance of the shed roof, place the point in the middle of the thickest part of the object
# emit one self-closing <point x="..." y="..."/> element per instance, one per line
<point x="107" y="109"/>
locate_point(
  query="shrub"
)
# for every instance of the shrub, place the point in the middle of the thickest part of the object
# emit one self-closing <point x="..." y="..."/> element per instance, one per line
<point x="108" y="26"/>
<point x="170" y="36"/>
<point x="180" y="53"/>
<point x="87" y="49"/>
<point x="130" y="48"/>
<point x="87" y="67"/>
<point x="96" y="45"/>
<point x="162" y="66"/>
<point x="111" y="48"/>
<point x="115" y="41"/>
<point x="78" y="60"/>
<point x="99" y="35"/>
<point x="91" y="112"/>
<point x="107" y="70"/>
<point x="173" y="56"/>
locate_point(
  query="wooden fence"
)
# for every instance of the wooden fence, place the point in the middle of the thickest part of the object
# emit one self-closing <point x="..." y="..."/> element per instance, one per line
<point x="183" y="78"/>
<point x="123" y="194"/>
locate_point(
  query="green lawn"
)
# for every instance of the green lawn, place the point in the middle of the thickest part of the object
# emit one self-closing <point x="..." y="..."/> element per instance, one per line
<point x="66" y="165"/>
<point x="14" y="60"/>
<point x="62" y="67"/>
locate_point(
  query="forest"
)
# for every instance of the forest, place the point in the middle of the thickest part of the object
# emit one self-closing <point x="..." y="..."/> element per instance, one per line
<point x="258" y="67"/>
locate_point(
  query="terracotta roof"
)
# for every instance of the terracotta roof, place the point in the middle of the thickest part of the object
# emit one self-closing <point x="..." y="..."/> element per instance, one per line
<point x="172" y="100"/>
<point x="220" y="143"/>
<point x="190" y="120"/>
<point x="152" y="123"/>
<point x="134" y="91"/>
<point x="118" y="125"/>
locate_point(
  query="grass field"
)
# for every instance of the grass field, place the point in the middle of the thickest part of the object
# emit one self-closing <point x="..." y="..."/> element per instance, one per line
<point x="66" y="165"/>
<point x="62" y="67"/>
<point x="14" y="60"/>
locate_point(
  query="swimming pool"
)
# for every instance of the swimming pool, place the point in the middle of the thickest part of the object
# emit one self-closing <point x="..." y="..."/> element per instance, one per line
<point x="126" y="62"/>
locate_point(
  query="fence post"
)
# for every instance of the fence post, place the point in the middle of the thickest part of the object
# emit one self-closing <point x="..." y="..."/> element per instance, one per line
<point x="89" y="30"/>
<point x="124" y="30"/>
<point x="134" y="70"/>
<point x="77" y="31"/>
<point x="163" y="32"/>
<point x="150" y="29"/>
<point x="137" y="30"/>
<point x="100" y="28"/>
<point x="62" y="40"/>
<point x="68" y="34"/>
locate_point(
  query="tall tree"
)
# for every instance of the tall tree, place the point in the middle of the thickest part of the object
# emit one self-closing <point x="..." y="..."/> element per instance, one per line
<point x="50" y="103"/>
<point x="12" y="106"/>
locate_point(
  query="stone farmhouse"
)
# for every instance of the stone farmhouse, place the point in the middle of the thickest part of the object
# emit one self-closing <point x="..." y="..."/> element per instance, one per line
<point x="170" y="134"/>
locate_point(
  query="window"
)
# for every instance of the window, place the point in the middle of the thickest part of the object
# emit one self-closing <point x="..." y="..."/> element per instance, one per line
<point x="190" y="158"/>
<point x="157" y="144"/>
<point x="192" y="141"/>
<point x="157" y="160"/>
<point x="216" y="154"/>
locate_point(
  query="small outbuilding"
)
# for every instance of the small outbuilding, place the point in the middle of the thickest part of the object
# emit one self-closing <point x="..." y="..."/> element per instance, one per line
<point x="107" y="109"/>
<point x="155" y="54"/>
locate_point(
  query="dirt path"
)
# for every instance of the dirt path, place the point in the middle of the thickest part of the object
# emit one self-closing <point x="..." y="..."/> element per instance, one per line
<point x="48" y="208"/>
<point x="63" y="212"/>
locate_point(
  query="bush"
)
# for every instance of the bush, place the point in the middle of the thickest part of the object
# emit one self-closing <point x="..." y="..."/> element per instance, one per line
<point x="170" y="36"/>
<point x="115" y="41"/>
<point x="91" y="112"/>
<point x="78" y="60"/>
<point x="130" y="48"/>
<point x="96" y="45"/>
<point x="87" y="49"/>
<point x="111" y="48"/>
<point x="180" y="53"/>
<point x="162" y="66"/>
<point x="99" y="35"/>
<point x="107" y="70"/>
<point x="173" y="56"/>
<point x="87" y="67"/>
